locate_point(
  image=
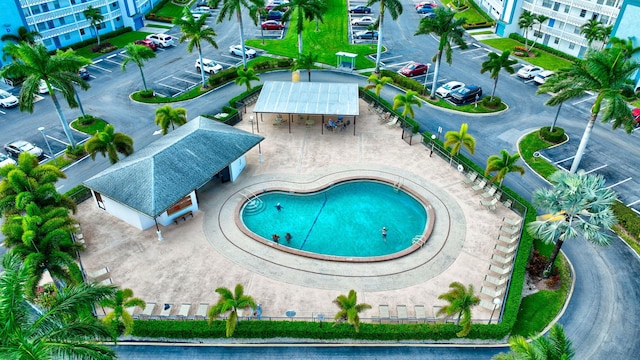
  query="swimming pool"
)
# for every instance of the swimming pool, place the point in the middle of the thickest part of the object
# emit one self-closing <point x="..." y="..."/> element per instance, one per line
<point x="342" y="221"/>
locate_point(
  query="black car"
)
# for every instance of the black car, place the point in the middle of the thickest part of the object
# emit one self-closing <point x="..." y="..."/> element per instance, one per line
<point x="16" y="148"/>
<point x="83" y="73"/>
<point x="275" y="15"/>
<point x="360" y="9"/>
<point x="466" y="94"/>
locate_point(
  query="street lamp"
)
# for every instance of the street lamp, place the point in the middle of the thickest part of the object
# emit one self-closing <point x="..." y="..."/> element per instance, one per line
<point x="321" y="318"/>
<point x="496" y="303"/>
<point x="251" y="119"/>
<point x="433" y="141"/>
<point x="41" y="129"/>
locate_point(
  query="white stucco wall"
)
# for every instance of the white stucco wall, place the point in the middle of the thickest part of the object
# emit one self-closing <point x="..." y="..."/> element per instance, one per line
<point x="236" y="167"/>
<point x="124" y="213"/>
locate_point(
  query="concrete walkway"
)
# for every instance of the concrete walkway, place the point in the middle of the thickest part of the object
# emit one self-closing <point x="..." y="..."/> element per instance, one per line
<point x="208" y="251"/>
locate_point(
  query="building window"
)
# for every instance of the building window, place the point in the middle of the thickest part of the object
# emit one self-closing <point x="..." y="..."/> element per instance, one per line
<point x="547" y="3"/>
<point x="556" y="6"/>
<point x="604" y="20"/>
<point x="73" y="2"/>
<point x="611" y="3"/>
<point x="572" y="46"/>
<point x="118" y="18"/>
<point x="114" y="5"/>
<point x="566" y="9"/>
<point x="35" y="9"/>
<point x="537" y="34"/>
<point x="81" y="31"/>
<point x="42" y="26"/>
<point x="594" y="16"/>
<point x="583" y="13"/>
<point x="47" y="42"/>
<point x="576" y="30"/>
<point x="556" y="40"/>
<point x="67" y="36"/>
<point x="99" y="200"/>
<point x="62" y="22"/>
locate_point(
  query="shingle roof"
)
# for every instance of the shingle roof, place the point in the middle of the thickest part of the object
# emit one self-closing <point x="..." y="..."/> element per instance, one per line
<point x="314" y="98"/>
<point x="157" y="176"/>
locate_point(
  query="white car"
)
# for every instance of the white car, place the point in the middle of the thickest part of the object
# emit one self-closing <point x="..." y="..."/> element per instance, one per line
<point x="446" y="89"/>
<point x="5" y="160"/>
<point x="162" y="40"/>
<point x="363" y="21"/>
<point x="543" y="76"/>
<point x="237" y="51"/>
<point x="529" y="71"/>
<point x="42" y="87"/>
<point x="7" y="100"/>
<point x="210" y="66"/>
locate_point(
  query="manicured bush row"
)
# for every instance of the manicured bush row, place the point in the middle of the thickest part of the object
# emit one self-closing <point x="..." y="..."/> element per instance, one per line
<point x="405" y="82"/>
<point x="78" y="193"/>
<point x="223" y="77"/>
<point x="557" y="136"/>
<point x="408" y="122"/>
<point x="628" y="219"/>
<point x="235" y="100"/>
<point x="518" y="37"/>
<point x="94" y="40"/>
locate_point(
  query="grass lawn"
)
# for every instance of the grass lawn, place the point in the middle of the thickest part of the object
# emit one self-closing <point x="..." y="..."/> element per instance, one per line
<point x="528" y="145"/>
<point x="119" y="41"/>
<point x="546" y="60"/>
<point x="331" y="38"/>
<point x="472" y="15"/>
<point x="97" y="125"/>
<point x="172" y="10"/>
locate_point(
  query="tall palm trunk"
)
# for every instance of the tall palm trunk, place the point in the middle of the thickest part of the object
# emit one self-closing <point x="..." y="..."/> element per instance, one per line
<point x="436" y="71"/>
<point x="95" y="27"/>
<point x="583" y="143"/>
<point x="495" y="85"/>
<point x="244" y="55"/>
<point x="299" y="26"/>
<point x="63" y="120"/>
<point x="300" y="42"/>
<point x="552" y="259"/>
<point x="379" y="50"/>
<point x="204" y="81"/>
<point x="144" y="82"/>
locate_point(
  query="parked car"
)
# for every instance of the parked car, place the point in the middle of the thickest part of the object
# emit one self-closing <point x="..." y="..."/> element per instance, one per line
<point x="16" y="148"/>
<point x="363" y="21"/>
<point x="211" y="67"/>
<point x="42" y="87"/>
<point x="162" y="40"/>
<point x="424" y="10"/>
<point x="148" y="43"/>
<point x="275" y="3"/>
<point x="201" y="9"/>
<point x="366" y="34"/>
<point x="275" y="15"/>
<point x="426" y="3"/>
<point x="272" y="25"/>
<point x="7" y="100"/>
<point x="237" y="51"/>
<point x="414" y="69"/>
<point x="5" y="160"/>
<point x="445" y="90"/>
<point x="542" y="77"/>
<point x="529" y="71"/>
<point x="84" y="73"/>
<point x="636" y="116"/>
<point x="360" y="9"/>
<point x="466" y="94"/>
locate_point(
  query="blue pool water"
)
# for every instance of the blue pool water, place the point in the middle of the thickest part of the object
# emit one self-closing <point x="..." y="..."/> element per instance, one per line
<point x="345" y="219"/>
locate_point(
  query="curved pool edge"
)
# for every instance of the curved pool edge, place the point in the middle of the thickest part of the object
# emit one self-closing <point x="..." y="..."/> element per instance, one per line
<point x="413" y="247"/>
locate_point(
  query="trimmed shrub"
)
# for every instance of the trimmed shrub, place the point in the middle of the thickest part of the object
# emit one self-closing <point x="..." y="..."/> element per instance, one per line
<point x="491" y="102"/>
<point x="94" y="40"/>
<point x="628" y="219"/>
<point x="558" y="53"/>
<point x="86" y="120"/>
<point x="78" y="193"/>
<point x="74" y="153"/>
<point x="555" y="137"/>
<point x="149" y="93"/>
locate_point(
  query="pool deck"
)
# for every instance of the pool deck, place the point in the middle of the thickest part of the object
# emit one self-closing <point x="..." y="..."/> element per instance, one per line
<point x="209" y="251"/>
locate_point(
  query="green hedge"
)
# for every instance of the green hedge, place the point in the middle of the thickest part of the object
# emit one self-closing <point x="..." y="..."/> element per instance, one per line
<point x="94" y="40"/>
<point x="518" y="37"/>
<point x="235" y="100"/>
<point x="406" y="82"/>
<point x="628" y="219"/>
<point x="78" y="193"/>
<point x="556" y="137"/>
<point x="407" y="123"/>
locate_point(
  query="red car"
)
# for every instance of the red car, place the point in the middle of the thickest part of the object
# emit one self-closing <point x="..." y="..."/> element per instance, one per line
<point x="272" y="25"/>
<point x="636" y="116"/>
<point x="148" y="43"/>
<point x="426" y="3"/>
<point x="414" y="69"/>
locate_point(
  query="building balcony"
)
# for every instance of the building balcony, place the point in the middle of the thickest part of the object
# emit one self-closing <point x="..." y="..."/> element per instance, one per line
<point x="62" y="12"/>
<point x="609" y="11"/>
<point x="61" y="30"/>
<point x="567" y="36"/>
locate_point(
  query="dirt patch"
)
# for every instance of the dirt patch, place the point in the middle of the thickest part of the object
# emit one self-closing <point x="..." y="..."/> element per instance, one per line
<point x="533" y="284"/>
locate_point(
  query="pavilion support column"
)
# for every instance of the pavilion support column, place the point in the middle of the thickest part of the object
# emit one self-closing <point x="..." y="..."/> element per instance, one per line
<point x="322" y="125"/>
<point x="290" y="118"/>
<point x="354" y="125"/>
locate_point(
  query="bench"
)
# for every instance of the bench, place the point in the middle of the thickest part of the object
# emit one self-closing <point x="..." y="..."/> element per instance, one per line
<point x="183" y="217"/>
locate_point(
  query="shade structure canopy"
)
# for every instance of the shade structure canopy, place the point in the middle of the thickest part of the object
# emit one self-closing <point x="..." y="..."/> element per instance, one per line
<point x="308" y="98"/>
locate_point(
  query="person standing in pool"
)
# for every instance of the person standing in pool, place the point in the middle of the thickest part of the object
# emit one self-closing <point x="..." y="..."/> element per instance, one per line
<point x="288" y="238"/>
<point x="384" y="233"/>
<point x="278" y="207"/>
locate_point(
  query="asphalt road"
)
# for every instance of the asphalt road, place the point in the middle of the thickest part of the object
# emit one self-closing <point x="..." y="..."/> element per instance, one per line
<point x="600" y="318"/>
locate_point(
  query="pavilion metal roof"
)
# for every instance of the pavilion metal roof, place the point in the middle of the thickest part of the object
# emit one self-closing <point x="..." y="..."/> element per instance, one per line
<point x="311" y="98"/>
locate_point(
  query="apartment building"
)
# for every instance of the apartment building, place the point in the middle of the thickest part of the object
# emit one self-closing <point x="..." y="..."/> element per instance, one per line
<point x="62" y="23"/>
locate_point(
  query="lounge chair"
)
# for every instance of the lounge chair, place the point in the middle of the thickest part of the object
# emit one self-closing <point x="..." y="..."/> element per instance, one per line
<point x="106" y="282"/>
<point x="166" y="310"/>
<point x="497" y="282"/>
<point x="500" y="270"/>
<point x="511" y="230"/>
<point x="309" y="122"/>
<point x="489" y="305"/>
<point x="184" y="310"/>
<point x="489" y="193"/>
<point x="202" y="310"/>
<point x="402" y="312"/>
<point x="512" y="222"/>
<point x="470" y="178"/>
<point x="383" y="311"/>
<point x="420" y="313"/>
<point x="508" y="240"/>
<point x="96" y="274"/>
<point x="277" y="120"/>
<point x="502" y="260"/>
<point x="490" y="204"/>
<point x="393" y="121"/>
<point x="479" y="186"/>
<point x="148" y="310"/>
<point x="491" y="292"/>
<point x="506" y="249"/>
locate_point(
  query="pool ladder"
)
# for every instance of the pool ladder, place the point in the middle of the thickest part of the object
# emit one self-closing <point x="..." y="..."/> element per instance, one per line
<point x="254" y="204"/>
<point x="398" y="184"/>
<point x="418" y="240"/>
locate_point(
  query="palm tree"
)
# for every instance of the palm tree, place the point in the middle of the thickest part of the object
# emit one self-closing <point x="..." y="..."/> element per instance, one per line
<point x="461" y="300"/>
<point x="591" y="30"/>
<point x="604" y="73"/>
<point x="540" y="19"/>
<point x="41" y="238"/>
<point x="109" y="143"/>
<point x="245" y="77"/>
<point x="119" y="319"/>
<point x="60" y="71"/>
<point x="95" y="18"/>
<point x="495" y="63"/>
<point x="231" y="7"/>
<point x="449" y="29"/>
<point x="458" y="139"/>
<point x="378" y="83"/>
<point x="406" y="101"/>
<point x="24" y="35"/>
<point x="166" y="115"/>
<point x="28" y="182"/>
<point x="504" y="163"/>
<point x="349" y="309"/>
<point x="138" y="54"/>
<point x="605" y="32"/>
<point x="303" y="10"/>
<point x="395" y="9"/>
<point x="554" y="347"/>
<point x="64" y="329"/>
<point x="305" y="62"/>
<point x="582" y="205"/>
<point x="231" y="302"/>
<point x="525" y="21"/>
<point x="626" y="46"/>
<point x="195" y="32"/>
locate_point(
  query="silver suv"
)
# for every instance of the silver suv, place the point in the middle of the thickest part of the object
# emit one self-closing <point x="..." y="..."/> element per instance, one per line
<point x="210" y="66"/>
<point x="162" y="40"/>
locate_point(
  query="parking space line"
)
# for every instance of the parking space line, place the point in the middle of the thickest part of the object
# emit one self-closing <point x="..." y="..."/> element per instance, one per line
<point x="99" y="67"/>
<point x="393" y="57"/>
<point x="596" y="169"/>
<point x="619" y="182"/>
<point x="114" y="62"/>
<point x="471" y="50"/>
<point x="164" y="78"/>
<point x="111" y="56"/>
<point x="581" y="101"/>
<point x="480" y="56"/>
<point x="399" y="64"/>
<point x="58" y="140"/>
<point x="187" y="81"/>
<point x="633" y="203"/>
<point x="563" y="160"/>
<point x="170" y="87"/>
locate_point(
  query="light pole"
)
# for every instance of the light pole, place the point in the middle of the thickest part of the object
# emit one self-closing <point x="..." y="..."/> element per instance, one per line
<point x="433" y="141"/>
<point x="496" y="303"/>
<point x="251" y="119"/>
<point x="41" y="129"/>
